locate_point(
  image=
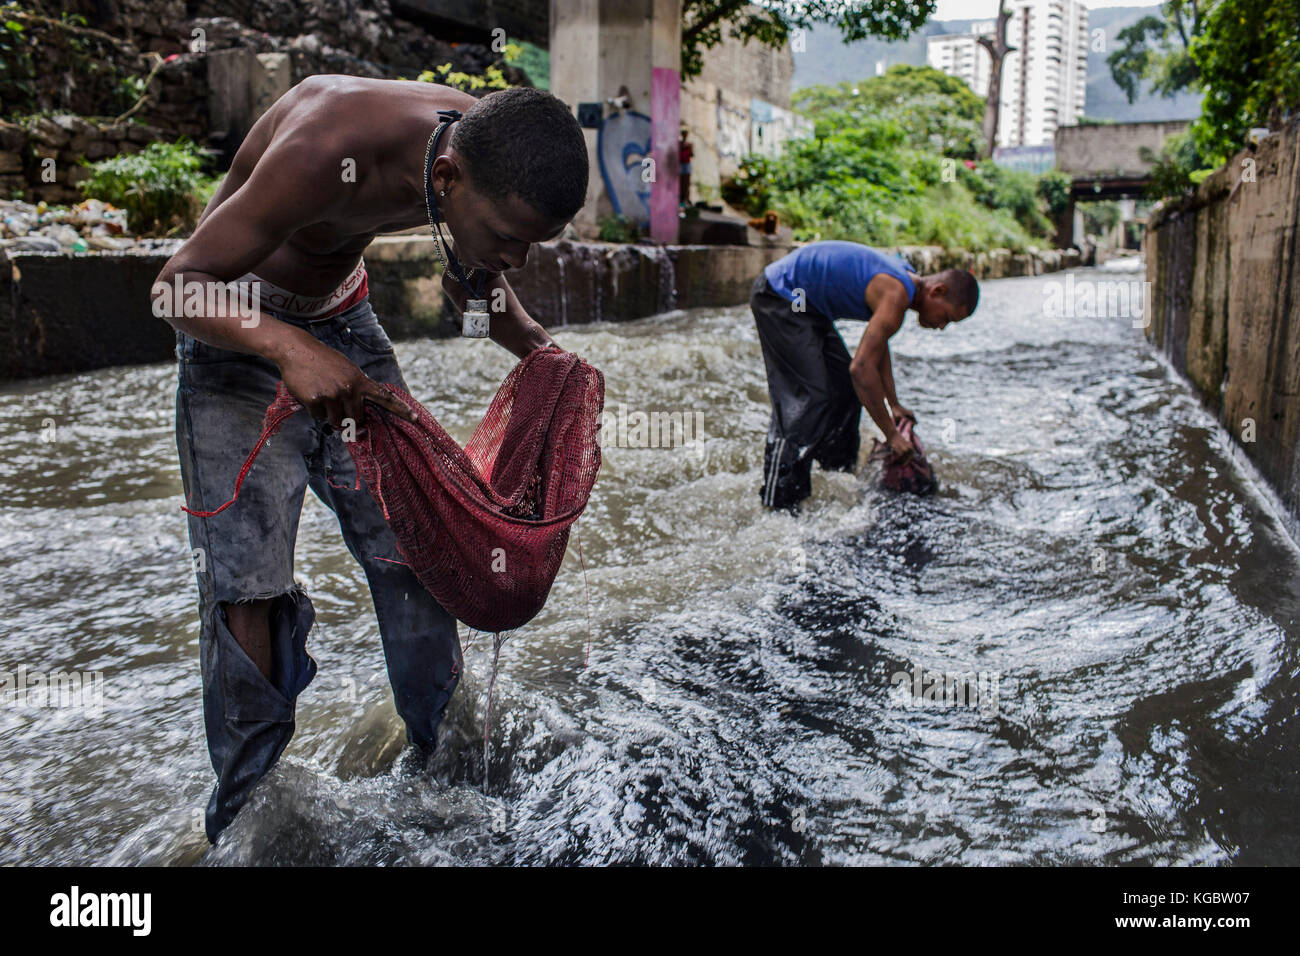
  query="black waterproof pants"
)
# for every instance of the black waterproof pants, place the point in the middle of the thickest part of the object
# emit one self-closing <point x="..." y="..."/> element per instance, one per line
<point x="815" y="411"/>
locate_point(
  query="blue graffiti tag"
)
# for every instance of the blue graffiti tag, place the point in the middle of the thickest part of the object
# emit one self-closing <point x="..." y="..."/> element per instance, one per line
<point x="622" y="145"/>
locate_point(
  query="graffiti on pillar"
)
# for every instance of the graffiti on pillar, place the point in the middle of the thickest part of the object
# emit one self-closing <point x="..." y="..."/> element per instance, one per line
<point x="622" y="145"/>
<point x="733" y="132"/>
<point x="771" y="127"/>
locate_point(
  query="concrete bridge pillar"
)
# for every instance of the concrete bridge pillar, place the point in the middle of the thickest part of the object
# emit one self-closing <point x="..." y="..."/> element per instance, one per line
<point x="1065" y="225"/>
<point x="601" y="49"/>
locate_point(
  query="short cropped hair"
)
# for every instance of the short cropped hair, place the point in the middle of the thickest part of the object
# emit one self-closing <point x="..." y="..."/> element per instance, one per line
<point x="963" y="290"/>
<point x="524" y="142"/>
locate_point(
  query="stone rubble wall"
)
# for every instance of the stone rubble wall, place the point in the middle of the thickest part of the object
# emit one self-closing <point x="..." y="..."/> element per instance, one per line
<point x="252" y="52"/>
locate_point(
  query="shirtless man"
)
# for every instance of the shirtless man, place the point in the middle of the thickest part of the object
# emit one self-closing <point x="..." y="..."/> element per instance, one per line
<point x="818" y="391"/>
<point x="335" y="162"/>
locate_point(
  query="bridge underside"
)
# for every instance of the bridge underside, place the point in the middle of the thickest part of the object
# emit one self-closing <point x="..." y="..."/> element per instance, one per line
<point x="1095" y="189"/>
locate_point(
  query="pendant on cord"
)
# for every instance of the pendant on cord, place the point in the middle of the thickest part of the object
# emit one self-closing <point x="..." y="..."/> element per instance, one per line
<point x="474" y="320"/>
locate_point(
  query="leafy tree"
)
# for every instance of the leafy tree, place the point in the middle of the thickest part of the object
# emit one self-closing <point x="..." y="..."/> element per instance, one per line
<point x="1248" y="59"/>
<point x="1243" y="54"/>
<point x="936" y="111"/>
<point x="703" y="22"/>
<point x="1156" y="50"/>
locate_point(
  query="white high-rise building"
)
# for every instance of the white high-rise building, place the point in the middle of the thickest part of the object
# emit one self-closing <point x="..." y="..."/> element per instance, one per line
<point x="1045" y="78"/>
<point x="960" y="55"/>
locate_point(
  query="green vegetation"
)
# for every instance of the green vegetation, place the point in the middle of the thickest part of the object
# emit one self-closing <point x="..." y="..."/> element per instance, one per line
<point x="619" y="229"/>
<point x="490" y="79"/>
<point x="533" y="60"/>
<point x="1011" y="191"/>
<point x="1177" y="169"/>
<point x="1248" y="56"/>
<point x="17" y="71"/>
<point x="892" y="164"/>
<point x="1155" y="50"/>
<point x="705" y="22"/>
<point x="162" y="188"/>
<point x="1244" y="55"/>
<point x="936" y="112"/>
<point x="1054" y="189"/>
<point x="1099" y="218"/>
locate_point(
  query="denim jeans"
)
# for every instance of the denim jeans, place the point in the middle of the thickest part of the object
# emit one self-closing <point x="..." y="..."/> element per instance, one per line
<point x="245" y="553"/>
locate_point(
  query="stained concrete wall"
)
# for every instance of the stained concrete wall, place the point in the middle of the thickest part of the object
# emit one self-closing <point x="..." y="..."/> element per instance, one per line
<point x="71" y="312"/>
<point x="74" y="312"/>
<point x="1110" y="149"/>
<point x="1226" y="301"/>
<point x="717" y="106"/>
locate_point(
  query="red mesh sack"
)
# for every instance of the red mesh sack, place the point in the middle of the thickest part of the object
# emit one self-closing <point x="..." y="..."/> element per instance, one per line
<point x="485" y="527"/>
<point x="914" y="475"/>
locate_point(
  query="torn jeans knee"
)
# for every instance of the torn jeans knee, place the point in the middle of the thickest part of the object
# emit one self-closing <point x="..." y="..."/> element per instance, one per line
<point x="249" y="719"/>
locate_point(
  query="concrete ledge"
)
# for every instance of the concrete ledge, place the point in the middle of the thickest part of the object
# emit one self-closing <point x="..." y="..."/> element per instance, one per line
<point x="69" y="312"/>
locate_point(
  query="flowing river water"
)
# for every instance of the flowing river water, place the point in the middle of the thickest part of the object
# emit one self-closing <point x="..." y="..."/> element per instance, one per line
<point x="1118" y="591"/>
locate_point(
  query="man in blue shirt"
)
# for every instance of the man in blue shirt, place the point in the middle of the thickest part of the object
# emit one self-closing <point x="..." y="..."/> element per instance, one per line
<point x="818" y="391"/>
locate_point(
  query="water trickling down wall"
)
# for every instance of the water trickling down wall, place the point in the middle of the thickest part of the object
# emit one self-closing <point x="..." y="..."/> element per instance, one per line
<point x="1226" y="301"/>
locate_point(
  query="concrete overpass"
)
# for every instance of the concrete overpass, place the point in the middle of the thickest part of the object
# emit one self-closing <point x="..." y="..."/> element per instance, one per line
<point x="473" y="20"/>
<point x="1105" y="162"/>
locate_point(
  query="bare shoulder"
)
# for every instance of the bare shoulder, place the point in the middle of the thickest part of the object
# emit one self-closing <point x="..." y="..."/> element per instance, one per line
<point x="349" y="115"/>
<point x="885" y="288"/>
<point x="315" y="111"/>
<point x="887" y="299"/>
<point x="328" y="120"/>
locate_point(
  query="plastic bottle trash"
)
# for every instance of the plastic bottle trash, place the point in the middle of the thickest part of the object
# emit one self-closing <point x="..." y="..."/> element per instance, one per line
<point x="30" y="244"/>
<point x="97" y="240"/>
<point x="16" y="225"/>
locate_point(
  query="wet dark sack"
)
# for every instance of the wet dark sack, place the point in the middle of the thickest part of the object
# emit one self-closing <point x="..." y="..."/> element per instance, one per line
<point x="914" y="475"/>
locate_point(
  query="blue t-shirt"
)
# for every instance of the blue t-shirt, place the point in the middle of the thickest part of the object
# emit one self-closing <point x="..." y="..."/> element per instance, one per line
<point x="834" y="275"/>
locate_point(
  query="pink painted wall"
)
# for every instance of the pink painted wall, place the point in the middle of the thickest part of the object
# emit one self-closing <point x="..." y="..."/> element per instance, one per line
<point x="665" y="121"/>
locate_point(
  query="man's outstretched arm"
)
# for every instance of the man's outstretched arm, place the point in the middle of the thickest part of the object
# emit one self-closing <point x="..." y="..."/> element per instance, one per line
<point x="282" y="194"/>
<point x="887" y="378"/>
<point x="867" y="367"/>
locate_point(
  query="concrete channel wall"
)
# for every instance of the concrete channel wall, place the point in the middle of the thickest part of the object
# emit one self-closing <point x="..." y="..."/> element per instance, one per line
<point x="71" y="312"/>
<point x="1226" y="301"/>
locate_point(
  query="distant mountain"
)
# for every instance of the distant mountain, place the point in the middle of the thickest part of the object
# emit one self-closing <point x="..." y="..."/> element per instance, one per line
<point x="828" y="60"/>
<point x="1105" y="99"/>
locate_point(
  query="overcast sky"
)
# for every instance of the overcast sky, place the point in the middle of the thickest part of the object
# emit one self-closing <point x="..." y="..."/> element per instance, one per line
<point x="979" y="9"/>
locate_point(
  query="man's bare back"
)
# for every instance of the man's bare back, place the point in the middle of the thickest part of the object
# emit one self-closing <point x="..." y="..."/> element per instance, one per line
<point x="339" y="160"/>
<point x="331" y="126"/>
